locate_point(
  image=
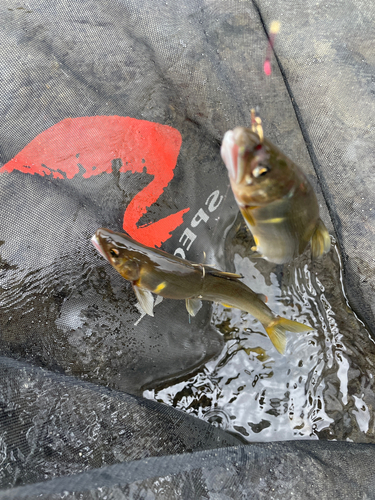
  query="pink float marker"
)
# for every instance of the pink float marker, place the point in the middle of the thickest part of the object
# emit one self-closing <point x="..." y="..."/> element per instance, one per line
<point x="274" y="29"/>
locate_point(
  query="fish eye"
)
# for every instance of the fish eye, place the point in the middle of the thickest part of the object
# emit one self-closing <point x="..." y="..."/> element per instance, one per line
<point x="114" y="252"/>
<point x="259" y="171"/>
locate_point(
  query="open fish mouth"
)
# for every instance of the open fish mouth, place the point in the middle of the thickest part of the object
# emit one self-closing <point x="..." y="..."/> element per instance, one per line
<point x="229" y="154"/>
<point x="95" y="242"/>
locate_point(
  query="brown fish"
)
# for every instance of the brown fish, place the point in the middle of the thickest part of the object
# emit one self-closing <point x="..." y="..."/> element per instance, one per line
<point x="154" y="271"/>
<point x="274" y="196"/>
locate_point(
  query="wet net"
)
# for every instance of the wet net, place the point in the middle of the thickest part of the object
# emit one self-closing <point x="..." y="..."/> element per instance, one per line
<point x="112" y="116"/>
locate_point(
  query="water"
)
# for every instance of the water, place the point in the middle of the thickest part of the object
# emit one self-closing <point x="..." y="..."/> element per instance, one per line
<point x="322" y="388"/>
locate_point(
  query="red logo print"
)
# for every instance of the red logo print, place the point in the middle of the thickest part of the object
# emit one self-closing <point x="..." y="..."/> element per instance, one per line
<point x="93" y="142"/>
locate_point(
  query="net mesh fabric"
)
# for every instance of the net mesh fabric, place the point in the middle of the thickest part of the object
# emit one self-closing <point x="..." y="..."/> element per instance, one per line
<point x="65" y="333"/>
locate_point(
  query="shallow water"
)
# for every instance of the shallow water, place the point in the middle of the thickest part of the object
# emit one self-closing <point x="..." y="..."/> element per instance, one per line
<point x="322" y="388"/>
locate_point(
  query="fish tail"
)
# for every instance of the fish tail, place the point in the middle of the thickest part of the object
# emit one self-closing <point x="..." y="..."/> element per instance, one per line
<point x="279" y="326"/>
<point x="320" y="240"/>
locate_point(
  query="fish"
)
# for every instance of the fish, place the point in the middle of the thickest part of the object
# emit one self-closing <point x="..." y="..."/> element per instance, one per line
<point x="274" y="196"/>
<point x="153" y="271"/>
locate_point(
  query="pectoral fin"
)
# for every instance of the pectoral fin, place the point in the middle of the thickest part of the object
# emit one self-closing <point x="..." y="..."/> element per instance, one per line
<point x="247" y="215"/>
<point x="193" y="306"/>
<point x="256" y="254"/>
<point x="320" y="241"/>
<point x="145" y="299"/>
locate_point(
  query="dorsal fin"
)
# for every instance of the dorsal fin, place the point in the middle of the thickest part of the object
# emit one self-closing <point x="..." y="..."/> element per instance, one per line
<point x="216" y="272"/>
<point x="222" y="274"/>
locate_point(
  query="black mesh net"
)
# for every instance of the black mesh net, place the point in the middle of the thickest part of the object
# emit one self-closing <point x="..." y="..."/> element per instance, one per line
<point x="112" y="116"/>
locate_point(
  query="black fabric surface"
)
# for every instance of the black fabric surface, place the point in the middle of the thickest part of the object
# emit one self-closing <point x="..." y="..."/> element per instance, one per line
<point x="53" y="425"/>
<point x="195" y="66"/>
<point x="262" y="470"/>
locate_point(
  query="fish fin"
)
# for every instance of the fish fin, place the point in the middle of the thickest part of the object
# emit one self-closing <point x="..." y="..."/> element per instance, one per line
<point x="216" y="272"/>
<point x="256" y="254"/>
<point x="247" y="215"/>
<point x="222" y="274"/>
<point x="277" y="328"/>
<point x="145" y="299"/>
<point x="193" y="306"/>
<point x="262" y="297"/>
<point x="226" y="305"/>
<point x="320" y="240"/>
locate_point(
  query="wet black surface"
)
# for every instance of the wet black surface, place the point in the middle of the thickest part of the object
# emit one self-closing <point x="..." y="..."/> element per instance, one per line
<point x="197" y="67"/>
<point x="322" y="388"/>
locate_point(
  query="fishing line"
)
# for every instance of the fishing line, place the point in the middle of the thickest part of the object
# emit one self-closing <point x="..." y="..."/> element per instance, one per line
<point x="256" y="123"/>
<point x="225" y="195"/>
<point x="274" y="29"/>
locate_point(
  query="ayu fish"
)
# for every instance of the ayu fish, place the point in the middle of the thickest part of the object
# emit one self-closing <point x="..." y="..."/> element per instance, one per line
<point x="275" y="198"/>
<point x="154" y="271"/>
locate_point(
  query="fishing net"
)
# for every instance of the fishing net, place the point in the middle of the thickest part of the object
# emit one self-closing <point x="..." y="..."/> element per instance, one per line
<point x="112" y="116"/>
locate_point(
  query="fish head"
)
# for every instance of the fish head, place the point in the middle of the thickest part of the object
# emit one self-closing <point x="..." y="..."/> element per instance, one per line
<point x="259" y="173"/>
<point x="115" y="249"/>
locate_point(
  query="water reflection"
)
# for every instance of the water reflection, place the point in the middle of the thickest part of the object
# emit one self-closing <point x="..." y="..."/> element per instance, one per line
<point x="322" y="388"/>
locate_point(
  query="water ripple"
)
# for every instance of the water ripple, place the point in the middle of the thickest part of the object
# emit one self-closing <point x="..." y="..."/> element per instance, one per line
<point x="322" y="388"/>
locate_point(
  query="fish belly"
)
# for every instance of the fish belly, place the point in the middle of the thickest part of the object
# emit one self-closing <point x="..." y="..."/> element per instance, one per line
<point x="281" y="232"/>
<point x="276" y="244"/>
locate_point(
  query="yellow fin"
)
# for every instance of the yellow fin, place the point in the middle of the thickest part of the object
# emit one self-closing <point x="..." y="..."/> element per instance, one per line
<point x="276" y="331"/>
<point x="320" y="240"/>
<point x="247" y="216"/>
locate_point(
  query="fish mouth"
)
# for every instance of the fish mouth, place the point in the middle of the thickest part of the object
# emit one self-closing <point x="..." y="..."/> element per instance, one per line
<point x="232" y="154"/>
<point x="229" y="153"/>
<point x="94" y="240"/>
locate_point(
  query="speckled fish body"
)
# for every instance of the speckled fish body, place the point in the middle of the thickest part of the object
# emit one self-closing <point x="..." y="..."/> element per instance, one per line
<point x="153" y="271"/>
<point x="275" y="198"/>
